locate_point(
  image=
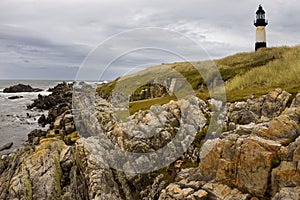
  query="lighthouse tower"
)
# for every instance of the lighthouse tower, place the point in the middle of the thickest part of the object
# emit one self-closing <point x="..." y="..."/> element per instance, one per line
<point x="260" y="24"/>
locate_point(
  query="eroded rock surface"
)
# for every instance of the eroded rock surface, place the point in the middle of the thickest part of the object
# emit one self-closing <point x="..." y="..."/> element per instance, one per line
<point x="256" y="156"/>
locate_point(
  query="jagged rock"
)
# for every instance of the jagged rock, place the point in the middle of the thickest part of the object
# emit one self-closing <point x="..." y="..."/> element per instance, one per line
<point x="261" y="109"/>
<point x="288" y="193"/>
<point x="296" y="101"/>
<point x="242" y="161"/>
<point x="219" y="191"/>
<point x="282" y="129"/>
<point x="153" y="90"/>
<point x="100" y="181"/>
<point x="39" y="173"/>
<point x="287" y="174"/>
<point x="293" y="113"/>
<point x="274" y="103"/>
<point x="173" y="191"/>
<point x="62" y="93"/>
<point x="199" y="195"/>
<point x="21" y="88"/>
<point x="260" y="158"/>
<point x="35" y="136"/>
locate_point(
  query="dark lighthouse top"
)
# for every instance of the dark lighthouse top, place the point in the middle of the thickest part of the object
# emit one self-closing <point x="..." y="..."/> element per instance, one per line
<point x="260" y="17"/>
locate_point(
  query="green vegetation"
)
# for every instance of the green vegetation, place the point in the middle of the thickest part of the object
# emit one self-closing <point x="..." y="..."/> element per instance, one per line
<point x="147" y="103"/>
<point x="106" y="89"/>
<point x="282" y="71"/>
<point x="276" y="161"/>
<point x="244" y="74"/>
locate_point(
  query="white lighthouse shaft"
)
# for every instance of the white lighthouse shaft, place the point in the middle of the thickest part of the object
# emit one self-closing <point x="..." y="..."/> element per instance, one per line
<point x="260" y="34"/>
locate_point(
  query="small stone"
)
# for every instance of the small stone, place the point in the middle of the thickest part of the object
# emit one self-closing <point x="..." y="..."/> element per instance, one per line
<point x="6" y="146"/>
<point x="199" y="195"/>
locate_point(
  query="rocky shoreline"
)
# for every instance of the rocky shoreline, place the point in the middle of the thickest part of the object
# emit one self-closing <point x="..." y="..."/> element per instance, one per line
<point x="255" y="157"/>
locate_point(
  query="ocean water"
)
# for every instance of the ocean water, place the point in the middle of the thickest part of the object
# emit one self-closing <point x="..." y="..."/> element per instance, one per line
<point x="16" y="121"/>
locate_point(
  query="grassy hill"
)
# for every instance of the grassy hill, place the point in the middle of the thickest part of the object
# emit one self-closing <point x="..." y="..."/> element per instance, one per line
<point x="244" y="74"/>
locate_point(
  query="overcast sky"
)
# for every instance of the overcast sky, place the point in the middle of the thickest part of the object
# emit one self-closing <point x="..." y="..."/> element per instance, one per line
<point x="49" y="39"/>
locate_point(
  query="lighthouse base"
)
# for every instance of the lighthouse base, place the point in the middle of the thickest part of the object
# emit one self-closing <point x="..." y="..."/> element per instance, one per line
<point x="260" y="45"/>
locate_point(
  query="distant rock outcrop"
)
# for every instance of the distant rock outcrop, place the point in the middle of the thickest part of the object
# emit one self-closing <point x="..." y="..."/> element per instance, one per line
<point x="21" y="88"/>
<point x="6" y="146"/>
<point x="15" y="97"/>
<point x="62" y="93"/>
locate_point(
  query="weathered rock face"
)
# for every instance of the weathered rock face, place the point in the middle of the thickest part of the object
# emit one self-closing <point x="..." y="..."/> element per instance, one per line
<point x="248" y="160"/>
<point x="281" y="129"/>
<point x="288" y="193"/>
<point x="35" y="173"/>
<point x="21" y="88"/>
<point x="258" y="160"/>
<point x="258" y="110"/>
<point x="99" y="179"/>
<point x="154" y="91"/>
<point x="255" y="160"/>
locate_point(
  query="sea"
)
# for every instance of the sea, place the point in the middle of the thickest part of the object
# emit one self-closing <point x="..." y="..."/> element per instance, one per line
<point x="16" y="121"/>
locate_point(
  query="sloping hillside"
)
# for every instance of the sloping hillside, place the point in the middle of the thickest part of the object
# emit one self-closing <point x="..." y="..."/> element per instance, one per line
<point x="244" y="74"/>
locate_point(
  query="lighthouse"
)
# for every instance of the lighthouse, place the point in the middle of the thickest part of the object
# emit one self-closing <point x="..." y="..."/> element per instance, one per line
<point x="260" y="24"/>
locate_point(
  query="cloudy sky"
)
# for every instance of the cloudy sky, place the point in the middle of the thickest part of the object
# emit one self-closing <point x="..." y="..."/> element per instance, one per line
<point x="50" y="39"/>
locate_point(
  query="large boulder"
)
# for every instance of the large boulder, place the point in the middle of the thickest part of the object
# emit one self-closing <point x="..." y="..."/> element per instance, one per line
<point x="259" y="109"/>
<point x="288" y="193"/>
<point x="21" y="88"/>
<point x="282" y="129"/>
<point x="241" y="161"/>
<point x="285" y="175"/>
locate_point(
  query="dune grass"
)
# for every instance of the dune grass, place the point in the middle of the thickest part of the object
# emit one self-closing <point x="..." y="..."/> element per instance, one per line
<point x="244" y="74"/>
<point x="283" y="72"/>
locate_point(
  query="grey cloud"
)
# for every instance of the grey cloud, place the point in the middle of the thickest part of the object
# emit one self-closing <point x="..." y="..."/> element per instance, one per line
<point x="55" y="36"/>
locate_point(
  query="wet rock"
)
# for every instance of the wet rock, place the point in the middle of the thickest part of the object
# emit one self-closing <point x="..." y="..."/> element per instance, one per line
<point x="35" y="136"/>
<point x="42" y="120"/>
<point x="15" y="97"/>
<point x="21" y="88"/>
<point x="62" y="93"/>
<point x="6" y="146"/>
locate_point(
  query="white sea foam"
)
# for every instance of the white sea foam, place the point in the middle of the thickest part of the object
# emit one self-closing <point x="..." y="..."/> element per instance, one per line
<point x="16" y="121"/>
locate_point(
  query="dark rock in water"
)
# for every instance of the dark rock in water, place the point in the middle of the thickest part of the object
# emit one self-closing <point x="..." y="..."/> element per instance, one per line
<point x="42" y="120"/>
<point x="21" y="88"/>
<point x="15" y="97"/>
<point x="6" y="146"/>
<point x="35" y="135"/>
<point x="61" y="93"/>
